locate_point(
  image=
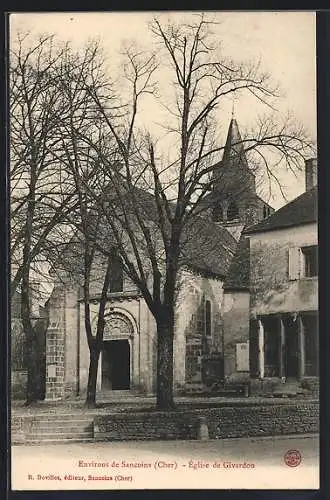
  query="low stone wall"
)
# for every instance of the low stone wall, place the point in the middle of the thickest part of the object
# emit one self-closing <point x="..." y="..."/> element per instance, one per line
<point x="151" y="426"/>
<point x="229" y="421"/>
<point x="270" y="420"/>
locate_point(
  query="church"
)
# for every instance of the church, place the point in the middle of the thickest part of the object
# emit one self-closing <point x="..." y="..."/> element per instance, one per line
<point x="246" y="307"/>
<point x="128" y="357"/>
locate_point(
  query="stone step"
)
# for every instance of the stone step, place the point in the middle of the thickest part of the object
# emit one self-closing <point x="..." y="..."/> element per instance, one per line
<point x="63" y="435"/>
<point x="65" y="423"/>
<point x="62" y="428"/>
<point x="53" y="441"/>
<point x="76" y="419"/>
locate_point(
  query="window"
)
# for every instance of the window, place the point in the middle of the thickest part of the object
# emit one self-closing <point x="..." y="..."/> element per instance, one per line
<point x="265" y="211"/>
<point x="232" y="211"/>
<point x="116" y="278"/>
<point x="303" y="262"/>
<point x="218" y="213"/>
<point x="202" y="320"/>
<point x="208" y="323"/>
<point x="310" y="264"/>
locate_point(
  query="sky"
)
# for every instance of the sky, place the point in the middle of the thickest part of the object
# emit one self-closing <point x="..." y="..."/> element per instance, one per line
<point x="284" y="41"/>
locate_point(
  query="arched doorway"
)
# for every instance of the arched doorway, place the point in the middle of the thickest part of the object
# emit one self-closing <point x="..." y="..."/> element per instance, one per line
<point x="116" y="365"/>
<point x="116" y="360"/>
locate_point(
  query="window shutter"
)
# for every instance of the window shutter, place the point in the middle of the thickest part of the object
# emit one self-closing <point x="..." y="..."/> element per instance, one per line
<point x="301" y="260"/>
<point x="294" y="263"/>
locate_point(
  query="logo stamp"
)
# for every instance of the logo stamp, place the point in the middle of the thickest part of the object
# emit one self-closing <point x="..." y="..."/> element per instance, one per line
<point x="292" y="458"/>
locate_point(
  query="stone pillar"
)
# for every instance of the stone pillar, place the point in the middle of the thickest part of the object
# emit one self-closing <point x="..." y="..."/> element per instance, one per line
<point x="261" y="338"/>
<point x="282" y="348"/>
<point x="54" y="363"/>
<point x="301" y="346"/>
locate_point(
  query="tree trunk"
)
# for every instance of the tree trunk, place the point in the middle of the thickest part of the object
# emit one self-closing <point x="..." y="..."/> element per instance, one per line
<point x="32" y="387"/>
<point x="92" y="376"/>
<point x="165" y="336"/>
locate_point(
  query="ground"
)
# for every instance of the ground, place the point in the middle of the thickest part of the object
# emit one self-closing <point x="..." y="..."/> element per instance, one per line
<point x="123" y="402"/>
<point x="167" y="464"/>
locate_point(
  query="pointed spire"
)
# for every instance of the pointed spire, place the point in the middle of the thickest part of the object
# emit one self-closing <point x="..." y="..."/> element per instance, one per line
<point x="234" y="149"/>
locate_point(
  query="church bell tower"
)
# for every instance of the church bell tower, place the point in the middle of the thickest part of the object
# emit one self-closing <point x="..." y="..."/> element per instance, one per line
<point x="235" y="201"/>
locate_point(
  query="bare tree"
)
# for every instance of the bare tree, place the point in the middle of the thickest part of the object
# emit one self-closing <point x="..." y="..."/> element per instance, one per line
<point x="81" y="125"/>
<point x="36" y="203"/>
<point x="153" y="205"/>
<point x="45" y="101"/>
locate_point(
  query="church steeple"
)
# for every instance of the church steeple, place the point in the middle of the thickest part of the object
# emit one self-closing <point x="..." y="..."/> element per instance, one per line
<point x="234" y="153"/>
<point x="234" y="187"/>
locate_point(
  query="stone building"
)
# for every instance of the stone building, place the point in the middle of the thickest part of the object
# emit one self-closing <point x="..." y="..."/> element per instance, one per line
<point x="271" y="297"/>
<point x="128" y="357"/>
<point x="284" y="290"/>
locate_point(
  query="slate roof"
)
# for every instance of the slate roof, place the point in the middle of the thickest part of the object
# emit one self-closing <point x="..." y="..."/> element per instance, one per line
<point x="234" y="151"/>
<point x="238" y="277"/>
<point x="301" y="210"/>
<point x="207" y="247"/>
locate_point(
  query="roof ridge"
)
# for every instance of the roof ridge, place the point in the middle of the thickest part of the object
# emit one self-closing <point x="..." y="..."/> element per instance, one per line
<point x="305" y="203"/>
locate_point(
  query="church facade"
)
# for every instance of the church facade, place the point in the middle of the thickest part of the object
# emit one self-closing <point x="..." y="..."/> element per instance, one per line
<point x="247" y="302"/>
<point x="128" y="357"/>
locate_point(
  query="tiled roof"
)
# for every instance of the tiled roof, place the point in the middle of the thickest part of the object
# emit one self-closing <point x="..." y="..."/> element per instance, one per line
<point x="301" y="210"/>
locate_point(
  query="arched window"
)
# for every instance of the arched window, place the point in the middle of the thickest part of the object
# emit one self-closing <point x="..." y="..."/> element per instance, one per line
<point x="265" y="211"/>
<point x="232" y="211"/>
<point x="208" y="318"/>
<point x="218" y="213"/>
<point x="116" y="278"/>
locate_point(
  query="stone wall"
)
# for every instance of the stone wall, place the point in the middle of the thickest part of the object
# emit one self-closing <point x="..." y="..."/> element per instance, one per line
<point x="55" y="363"/>
<point x="55" y="346"/>
<point x="189" y="341"/>
<point x="271" y="288"/>
<point x="240" y="420"/>
<point x="262" y="420"/>
<point x="236" y="316"/>
<point x="71" y="340"/>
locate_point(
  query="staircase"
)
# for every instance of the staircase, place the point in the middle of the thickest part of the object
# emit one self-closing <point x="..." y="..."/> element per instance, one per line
<point x="54" y="429"/>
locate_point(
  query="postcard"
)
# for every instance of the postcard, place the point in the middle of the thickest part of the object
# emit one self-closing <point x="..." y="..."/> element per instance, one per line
<point x="164" y="250"/>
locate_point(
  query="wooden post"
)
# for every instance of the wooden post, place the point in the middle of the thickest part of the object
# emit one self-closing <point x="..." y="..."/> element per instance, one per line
<point x="301" y="346"/>
<point x="282" y="348"/>
<point x="261" y="335"/>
